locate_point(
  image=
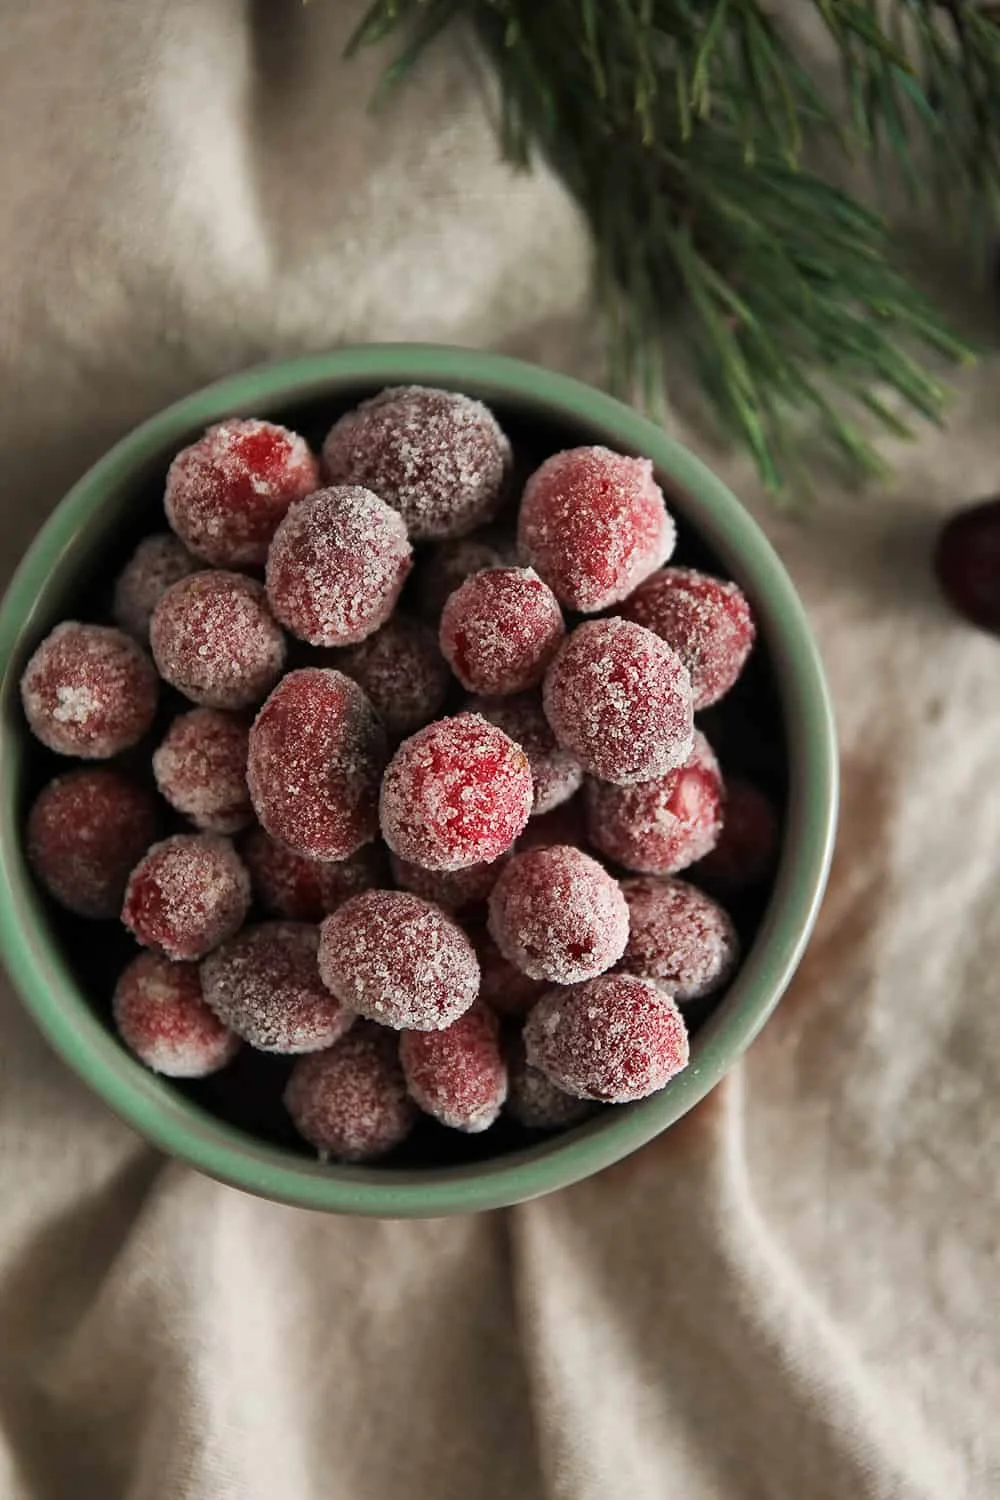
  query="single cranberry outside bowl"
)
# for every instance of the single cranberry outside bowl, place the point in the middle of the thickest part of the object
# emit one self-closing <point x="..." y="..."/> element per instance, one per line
<point x="773" y="735"/>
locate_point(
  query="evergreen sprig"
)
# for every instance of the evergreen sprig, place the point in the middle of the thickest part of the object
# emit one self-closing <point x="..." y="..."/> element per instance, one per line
<point x="680" y="127"/>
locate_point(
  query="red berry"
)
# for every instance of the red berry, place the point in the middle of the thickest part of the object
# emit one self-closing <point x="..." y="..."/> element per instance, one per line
<point x="503" y="988"/>
<point x="264" y="983"/>
<point x="201" y="769"/>
<point x="594" y="525"/>
<point x="161" y="1017"/>
<point x="186" y="895"/>
<point x="213" y="639"/>
<point x="706" y="620"/>
<point x="396" y="959"/>
<point x="555" y="773"/>
<point x="536" y="1103"/>
<point x="449" y="564"/>
<point x="458" y="1075"/>
<point x="615" y="1038"/>
<point x="747" y="848"/>
<point x="227" y="493"/>
<point x="316" y="757"/>
<point x="336" y="566"/>
<point x="557" y="914"/>
<point x="302" y="889"/>
<point x="350" y="1102"/>
<point x="158" y="562"/>
<point x="438" y="458"/>
<point x="662" y="826"/>
<point x="403" y="673"/>
<point x="86" y="831"/>
<point x="89" y="691"/>
<point x="456" y="793"/>
<point x="619" y="699"/>
<point x="500" y="629"/>
<point x="453" y="890"/>
<point x="679" y="937"/>
<point x="967" y="563"/>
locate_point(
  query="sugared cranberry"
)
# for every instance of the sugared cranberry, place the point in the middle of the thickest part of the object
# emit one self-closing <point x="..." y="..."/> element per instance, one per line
<point x="214" y="639"/>
<point x="403" y="673"/>
<point x="336" y="566"/>
<point x="86" y="831"/>
<point x="747" y="848"/>
<point x="458" y="1075"/>
<point x="500" y="629"/>
<point x="556" y="774"/>
<point x="437" y="457"/>
<point x="449" y="564"/>
<point x="558" y="915"/>
<point x="615" y="1038"/>
<point x="679" y="937"/>
<point x="967" y="564"/>
<point x="661" y="826"/>
<point x="186" y="895"/>
<point x="350" y="1102"/>
<point x="264" y="983"/>
<point x="452" y="890"/>
<point x="201" y="769"/>
<point x="396" y="959"/>
<point x="706" y="620"/>
<point x="506" y="990"/>
<point x="89" y="691"/>
<point x="316" y="756"/>
<point x="306" y="890"/>
<point x="456" y="793"/>
<point x="161" y="1016"/>
<point x="156" y="564"/>
<point x="594" y="525"/>
<point x="227" y="493"/>
<point x="533" y="1101"/>
<point x="619" y="699"/>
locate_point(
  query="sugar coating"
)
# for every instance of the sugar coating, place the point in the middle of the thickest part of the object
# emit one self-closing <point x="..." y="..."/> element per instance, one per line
<point x="500" y="629"/>
<point x="316" y="755"/>
<point x="679" y="937"/>
<point x="89" y="691"/>
<point x="264" y="983"/>
<point x="201" y="769"/>
<point x="398" y="960"/>
<point x="336" y="566"/>
<point x="619" y="699"/>
<point x="161" y="1016"/>
<point x="291" y="885"/>
<point x="556" y="774"/>
<point x="227" y="493"/>
<point x="186" y="895"/>
<point x="350" y="1102"/>
<point x="594" y="525"/>
<point x="506" y="990"/>
<point x="660" y="827"/>
<point x="446" y="565"/>
<point x="535" y="1102"/>
<point x="403" y="673"/>
<point x="457" y="793"/>
<point x="706" y="620"/>
<point x="615" y="1039"/>
<point x="452" y="890"/>
<point x="458" y="1075"/>
<point x="158" y="562"/>
<point x="437" y="457"/>
<point x="214" y="639"/>
<point x="86" y="831"/>
<point x="747" y="848"/>
<point x="557" y="914"/>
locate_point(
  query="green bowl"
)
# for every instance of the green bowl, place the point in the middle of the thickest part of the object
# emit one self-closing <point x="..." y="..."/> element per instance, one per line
<point x="72" y="559"/>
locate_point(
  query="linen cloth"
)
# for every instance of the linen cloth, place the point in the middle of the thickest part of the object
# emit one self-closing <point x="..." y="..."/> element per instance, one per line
<point x="793" y="1295"/>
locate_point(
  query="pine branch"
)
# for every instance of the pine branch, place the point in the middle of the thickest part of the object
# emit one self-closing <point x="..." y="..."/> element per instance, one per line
<point x="679" y="125"/>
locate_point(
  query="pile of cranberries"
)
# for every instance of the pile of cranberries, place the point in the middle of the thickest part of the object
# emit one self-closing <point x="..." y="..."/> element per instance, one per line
<point x="377" y="785"/>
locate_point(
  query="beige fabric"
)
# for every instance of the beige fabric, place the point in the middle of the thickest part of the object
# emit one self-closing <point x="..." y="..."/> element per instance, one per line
<point x="791" y="1296"/>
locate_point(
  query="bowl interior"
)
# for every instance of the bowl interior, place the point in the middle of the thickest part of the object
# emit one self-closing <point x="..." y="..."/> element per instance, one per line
<point x="775" y="728"/>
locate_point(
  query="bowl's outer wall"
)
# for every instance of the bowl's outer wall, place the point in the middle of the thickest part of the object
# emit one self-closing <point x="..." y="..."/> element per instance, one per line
<point x="85" y="526"/>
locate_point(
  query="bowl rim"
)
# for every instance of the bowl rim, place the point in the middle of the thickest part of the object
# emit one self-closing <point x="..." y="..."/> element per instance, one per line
<point x="155" y="1109"/>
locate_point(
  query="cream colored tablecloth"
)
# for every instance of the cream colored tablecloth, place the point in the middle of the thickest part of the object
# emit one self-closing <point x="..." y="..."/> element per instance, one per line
<point x="793" y="1295"/>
